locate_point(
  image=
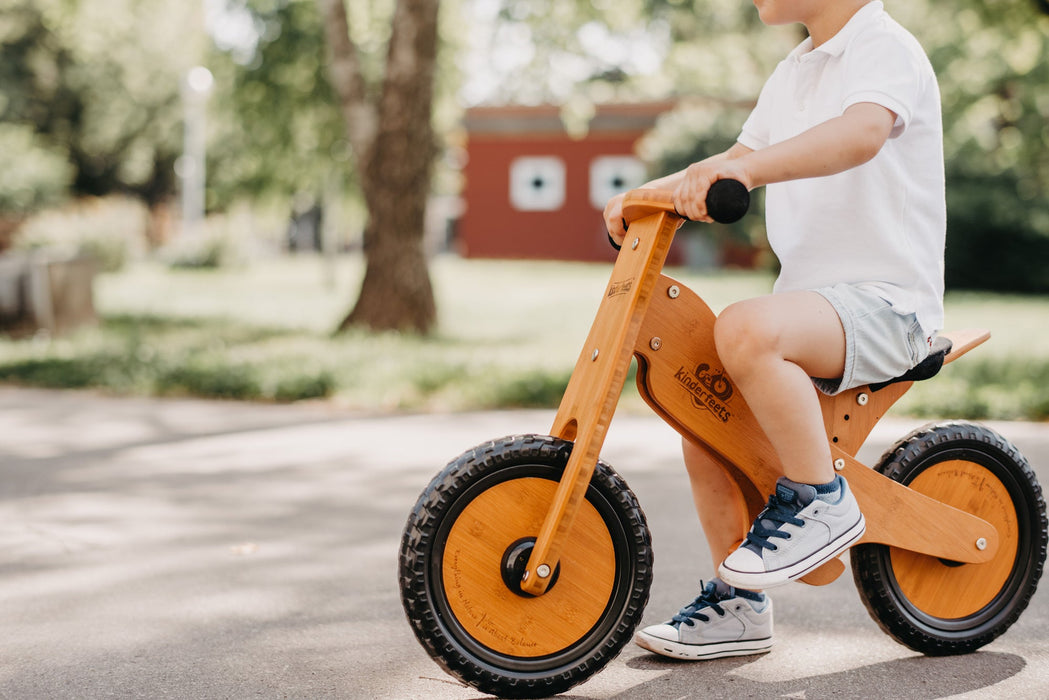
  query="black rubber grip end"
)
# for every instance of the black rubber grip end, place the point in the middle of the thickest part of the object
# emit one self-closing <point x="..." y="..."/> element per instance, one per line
<point x="727" y="201"/>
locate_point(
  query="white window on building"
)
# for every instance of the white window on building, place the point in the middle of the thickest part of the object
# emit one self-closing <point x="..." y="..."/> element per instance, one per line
<point x="610" y="175"/>
<point x="537" y="183"/>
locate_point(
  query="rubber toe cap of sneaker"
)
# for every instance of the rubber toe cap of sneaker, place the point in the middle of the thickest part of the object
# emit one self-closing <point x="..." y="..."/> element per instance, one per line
<point x="744" y="561"/>
<point x="663" y="631"/>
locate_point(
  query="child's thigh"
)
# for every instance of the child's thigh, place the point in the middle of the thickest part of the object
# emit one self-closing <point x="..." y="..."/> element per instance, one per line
<point x="801" y="327"/>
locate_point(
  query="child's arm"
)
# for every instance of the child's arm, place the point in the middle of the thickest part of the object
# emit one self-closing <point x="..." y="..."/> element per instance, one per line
<point x="614" y="209"/>
<point x="836" y="145"/>
<point x="674" y="180"/>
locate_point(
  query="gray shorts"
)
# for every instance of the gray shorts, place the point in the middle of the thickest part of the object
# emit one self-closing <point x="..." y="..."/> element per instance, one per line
<point x="880" y="343"/>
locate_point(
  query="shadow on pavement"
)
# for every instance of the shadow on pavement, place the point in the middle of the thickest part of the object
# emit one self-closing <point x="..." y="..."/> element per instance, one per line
<point x="914" y="677"/>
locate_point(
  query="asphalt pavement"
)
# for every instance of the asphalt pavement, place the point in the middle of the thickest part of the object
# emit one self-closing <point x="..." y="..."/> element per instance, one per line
<point x="199" y="549"/>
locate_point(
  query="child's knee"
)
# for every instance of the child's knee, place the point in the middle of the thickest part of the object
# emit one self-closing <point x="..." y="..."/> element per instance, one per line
<point x="726" y="330"/>
<point x="739" y="333"/>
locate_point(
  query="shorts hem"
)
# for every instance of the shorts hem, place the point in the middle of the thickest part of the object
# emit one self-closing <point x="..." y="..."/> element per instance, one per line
<point x="881" y="343"/>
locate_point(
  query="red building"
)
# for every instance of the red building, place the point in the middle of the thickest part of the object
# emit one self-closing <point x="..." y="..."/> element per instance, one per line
<point x="533" y="191"/>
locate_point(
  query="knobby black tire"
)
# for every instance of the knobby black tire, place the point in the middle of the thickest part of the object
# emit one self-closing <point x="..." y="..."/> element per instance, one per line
<point x="433" y="622"/>
<point x="872" y="566"/>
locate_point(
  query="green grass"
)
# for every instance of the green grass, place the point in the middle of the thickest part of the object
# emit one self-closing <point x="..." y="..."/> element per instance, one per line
<point x="169" y="356"/>
<point x="508" y="332"/>
<point x="1005" y="378"/>
<point x="508" y="335"/>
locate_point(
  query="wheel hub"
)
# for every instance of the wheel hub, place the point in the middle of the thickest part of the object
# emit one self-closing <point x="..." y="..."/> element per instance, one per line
<point x="515" y="560"/>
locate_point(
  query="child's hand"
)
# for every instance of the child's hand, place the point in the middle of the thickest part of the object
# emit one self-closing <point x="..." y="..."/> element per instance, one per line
<point x="614" y="218"/>
<point x="690" y="197"/>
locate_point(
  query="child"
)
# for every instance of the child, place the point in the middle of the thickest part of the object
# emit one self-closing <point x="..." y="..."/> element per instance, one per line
<point x="847" y="136"/>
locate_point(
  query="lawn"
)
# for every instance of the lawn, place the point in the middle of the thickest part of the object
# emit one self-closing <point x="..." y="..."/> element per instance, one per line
<point x="508" y="335"/>
<point x="508" y="331"/>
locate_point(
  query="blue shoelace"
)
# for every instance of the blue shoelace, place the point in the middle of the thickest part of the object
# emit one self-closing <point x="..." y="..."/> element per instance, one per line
<point x="709" y="598"/>
<point x="778" y="512"/>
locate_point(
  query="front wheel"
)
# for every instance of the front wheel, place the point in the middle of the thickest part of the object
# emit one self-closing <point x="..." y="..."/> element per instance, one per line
<point x="941" y="607"/>
<point x="467" y="542"/>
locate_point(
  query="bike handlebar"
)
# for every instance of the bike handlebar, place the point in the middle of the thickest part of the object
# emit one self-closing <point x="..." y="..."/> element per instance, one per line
<point x="727" y="202"/>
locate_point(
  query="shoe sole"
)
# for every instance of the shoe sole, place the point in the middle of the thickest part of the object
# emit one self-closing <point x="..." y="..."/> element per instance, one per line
<point x="786" y="574"/>
<point x="695" y="652"/>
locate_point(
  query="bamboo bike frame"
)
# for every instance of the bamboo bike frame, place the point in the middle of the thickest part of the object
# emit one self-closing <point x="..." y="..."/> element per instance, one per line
<point x="669" y="329"/>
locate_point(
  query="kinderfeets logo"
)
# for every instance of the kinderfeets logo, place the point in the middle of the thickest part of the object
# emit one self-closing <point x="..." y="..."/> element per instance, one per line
<point x="709" y="389"/>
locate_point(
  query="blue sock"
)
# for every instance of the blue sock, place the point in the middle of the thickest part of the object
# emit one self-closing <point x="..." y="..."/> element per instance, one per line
<point x="832" y="491"/>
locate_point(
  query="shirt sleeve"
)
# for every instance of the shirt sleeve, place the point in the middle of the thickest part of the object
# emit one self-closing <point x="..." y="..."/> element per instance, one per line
<point x="888" y="71"/>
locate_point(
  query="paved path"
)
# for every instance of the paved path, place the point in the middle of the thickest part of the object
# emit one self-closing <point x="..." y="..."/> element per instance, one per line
<point x="195" y="549"/>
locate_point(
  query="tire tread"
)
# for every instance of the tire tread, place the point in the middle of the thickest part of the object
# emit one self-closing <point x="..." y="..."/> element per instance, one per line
<point x="872" y="581"/>
<point x="416" y="542"/>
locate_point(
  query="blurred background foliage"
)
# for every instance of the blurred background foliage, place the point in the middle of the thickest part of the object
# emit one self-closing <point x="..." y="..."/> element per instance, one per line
<point x="91" y="133"/>
<point x="90" y="99"/>
<point x="97" y="83"/>
<point x="277" y="128"/>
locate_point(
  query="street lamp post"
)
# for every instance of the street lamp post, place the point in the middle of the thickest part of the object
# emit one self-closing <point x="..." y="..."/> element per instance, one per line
<point x="196" y="85"/>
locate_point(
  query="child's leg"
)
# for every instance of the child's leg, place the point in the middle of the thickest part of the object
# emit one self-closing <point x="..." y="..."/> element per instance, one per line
<point x="721" y="621"/>
<point x="719" y="501"/>
<point x="771" y="347"/>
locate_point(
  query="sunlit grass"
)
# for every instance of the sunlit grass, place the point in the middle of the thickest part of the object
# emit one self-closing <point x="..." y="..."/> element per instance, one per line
<point x="508" y="335"/>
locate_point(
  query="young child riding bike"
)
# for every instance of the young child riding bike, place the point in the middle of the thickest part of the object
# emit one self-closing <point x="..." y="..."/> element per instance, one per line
<point x="847" y="138"/>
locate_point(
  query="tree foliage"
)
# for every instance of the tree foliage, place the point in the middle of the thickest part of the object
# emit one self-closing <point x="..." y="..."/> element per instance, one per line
<point x="35" y="173"/>
<point x="99" y="83"/>
<point x="90" y="104"/>
<point x="279" y="132"/>
<point x="992" y="60"/>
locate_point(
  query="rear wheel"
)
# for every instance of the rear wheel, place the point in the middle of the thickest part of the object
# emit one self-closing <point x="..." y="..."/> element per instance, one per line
<point x="941" y="607"/>
<point x="465" y="547"/>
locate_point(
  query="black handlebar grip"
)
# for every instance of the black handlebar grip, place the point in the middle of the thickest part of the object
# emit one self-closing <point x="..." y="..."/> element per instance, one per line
<point x="727" y="201"/>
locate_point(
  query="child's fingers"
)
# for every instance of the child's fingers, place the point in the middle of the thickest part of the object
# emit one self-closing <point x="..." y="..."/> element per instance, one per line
<point x="690" y="200"/>
<point x="693" y="191"/>
<point x="614" y="219"/>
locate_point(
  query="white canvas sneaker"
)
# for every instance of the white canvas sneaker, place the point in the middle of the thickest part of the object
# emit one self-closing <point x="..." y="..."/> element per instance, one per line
<point x="721" y="622"/>
<point x="801" y="529"/>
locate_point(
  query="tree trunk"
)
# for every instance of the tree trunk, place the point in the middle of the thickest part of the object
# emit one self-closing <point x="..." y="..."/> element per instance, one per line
<point x="394" y="147"/>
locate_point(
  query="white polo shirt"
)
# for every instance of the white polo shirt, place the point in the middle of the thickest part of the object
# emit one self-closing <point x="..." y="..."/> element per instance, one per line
<point x="881" y="224"/>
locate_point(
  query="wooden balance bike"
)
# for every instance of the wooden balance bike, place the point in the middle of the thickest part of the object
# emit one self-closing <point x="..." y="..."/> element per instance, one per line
<point x="526" y="563"/>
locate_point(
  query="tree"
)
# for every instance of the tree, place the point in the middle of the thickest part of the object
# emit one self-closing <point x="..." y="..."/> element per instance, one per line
<point x="391" y="136"/>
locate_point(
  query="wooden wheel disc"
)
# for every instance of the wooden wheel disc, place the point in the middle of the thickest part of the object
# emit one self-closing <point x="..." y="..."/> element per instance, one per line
<point x="949" y="590"/>
<point x="494" y="615"/>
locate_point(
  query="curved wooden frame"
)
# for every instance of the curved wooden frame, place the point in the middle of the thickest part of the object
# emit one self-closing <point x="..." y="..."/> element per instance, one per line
<point x="669" y="329"/>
